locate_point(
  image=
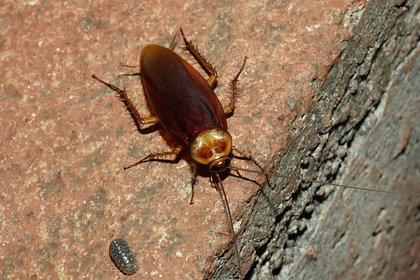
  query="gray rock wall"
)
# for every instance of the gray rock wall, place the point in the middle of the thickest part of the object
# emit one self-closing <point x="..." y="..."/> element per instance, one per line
<point x="362" y="131"/>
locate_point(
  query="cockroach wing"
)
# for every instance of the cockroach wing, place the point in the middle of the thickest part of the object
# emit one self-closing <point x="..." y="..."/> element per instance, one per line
<point x="178" y="95"/>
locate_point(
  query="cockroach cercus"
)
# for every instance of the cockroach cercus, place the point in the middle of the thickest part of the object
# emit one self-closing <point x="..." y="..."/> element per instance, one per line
<point x="184" y="103"/>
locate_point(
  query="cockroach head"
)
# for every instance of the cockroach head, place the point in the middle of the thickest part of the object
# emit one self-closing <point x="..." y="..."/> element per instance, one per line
<point x="212" y="148"/>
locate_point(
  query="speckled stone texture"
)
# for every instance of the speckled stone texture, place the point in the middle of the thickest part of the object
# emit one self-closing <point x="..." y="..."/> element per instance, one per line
<point x="65" y="138"/>
<point x="361" y="131"/>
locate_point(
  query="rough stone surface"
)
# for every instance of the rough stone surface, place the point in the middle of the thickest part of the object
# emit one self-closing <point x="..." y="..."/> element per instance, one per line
<point x="65" y="138"/>
<point x="361" y="132"/>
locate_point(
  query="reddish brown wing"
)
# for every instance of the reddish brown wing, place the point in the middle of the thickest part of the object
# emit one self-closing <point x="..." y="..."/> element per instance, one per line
<point x="179" y="96"/>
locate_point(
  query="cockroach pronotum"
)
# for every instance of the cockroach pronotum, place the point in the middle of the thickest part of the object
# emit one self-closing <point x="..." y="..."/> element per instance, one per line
<point x="122" y="256"/>
<point x="184" y="103"/>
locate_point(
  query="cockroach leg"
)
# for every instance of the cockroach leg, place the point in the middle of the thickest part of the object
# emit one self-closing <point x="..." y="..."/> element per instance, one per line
<point x="126" y="99"/>
<point x="202" y="60"/>
<point x="236" y="169"/>
<point x="130" y="66"/>
<point x="162" y="156"/>
<point x="129" y="74"/>
<point x="228" y="109"/>
<point x="193" y="180"/>
<point x="242" y="177"/>
<point x="173" y="43"/>
<point x="248" y="157"/>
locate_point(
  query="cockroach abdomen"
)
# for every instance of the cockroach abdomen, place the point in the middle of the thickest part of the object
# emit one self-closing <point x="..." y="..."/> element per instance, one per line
<point x="122" y="256"/>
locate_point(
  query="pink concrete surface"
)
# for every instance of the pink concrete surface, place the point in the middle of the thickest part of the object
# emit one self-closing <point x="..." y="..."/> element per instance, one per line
<point x="65" y="138"/>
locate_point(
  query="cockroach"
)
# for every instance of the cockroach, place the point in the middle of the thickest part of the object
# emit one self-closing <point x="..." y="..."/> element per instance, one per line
<point x="122" y="256"/>
<point x="186" y="106"/>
